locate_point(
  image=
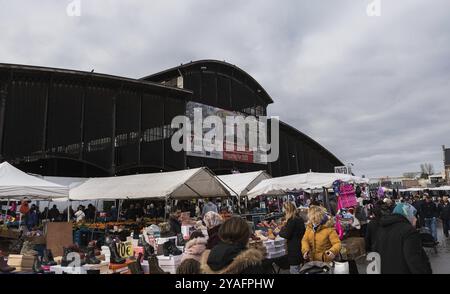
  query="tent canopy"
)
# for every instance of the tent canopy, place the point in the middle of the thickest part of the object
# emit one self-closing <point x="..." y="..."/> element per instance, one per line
<point x="16" y="184"/>
<point x="411" y="190"/>
<point x="182" y="184"/>
<point x="65" y="181"/>
<point x="443" y="188"/>
<point x="242" y="183"/>
<point x="283" y="185"/>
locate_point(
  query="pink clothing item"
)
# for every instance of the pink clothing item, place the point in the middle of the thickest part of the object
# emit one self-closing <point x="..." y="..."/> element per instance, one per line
<point x="194" y="249"/>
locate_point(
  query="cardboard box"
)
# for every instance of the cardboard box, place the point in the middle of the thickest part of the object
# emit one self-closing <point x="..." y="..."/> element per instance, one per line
<point x="353" y="247"/>
<point x="59" y="235"/>
<point x="169" y="260"/>
<point x="170" y="269"/>
<point x="21" y="262"/>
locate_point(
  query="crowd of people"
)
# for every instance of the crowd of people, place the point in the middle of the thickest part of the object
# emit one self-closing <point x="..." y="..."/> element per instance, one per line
<point x="392" y="228"/>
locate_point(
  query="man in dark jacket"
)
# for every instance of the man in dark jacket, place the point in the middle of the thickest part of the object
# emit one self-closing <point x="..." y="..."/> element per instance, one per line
<point x="131" y="213"/>
<point x="380" y="209"/>
<point x="399" y="243"/>
<point x="444" y="214"/>
<point x="429" y="213"/>
<point x="417" y="203"/>
<point x="53" y="214"/>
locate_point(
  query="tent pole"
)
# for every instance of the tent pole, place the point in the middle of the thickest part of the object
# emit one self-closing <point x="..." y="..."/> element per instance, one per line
<point x="118" y="210"/>
<point x="165" y="209"/>
<point x="7" y="206"/>
<point x="68" y="211"/>
<point x="48" y="208"/>
<point x="327" y="200"/>
<point x="236" y="194"/>
<point x="95" y="218"/>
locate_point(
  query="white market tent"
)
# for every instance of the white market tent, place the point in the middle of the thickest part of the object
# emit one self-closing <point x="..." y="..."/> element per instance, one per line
<point x="184" y="184"/>
<point x="66" y="181"/>
<point x="411" y="190"/>
<point x="15" y="184"/>
<point x="443" y="188"/>
<point x="283" y="185"/>
<point x="240" y="184"/>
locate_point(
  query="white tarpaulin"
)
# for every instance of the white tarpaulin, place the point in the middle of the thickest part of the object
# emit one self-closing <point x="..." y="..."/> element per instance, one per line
<point x="16" y="184"/>
<point x="242" y="183"/>
<point x="65" y="181"/>
<point x="190" y="183"/>
<point x="411" y="190"/>
<point x="443" y="188"/>
<point x="283" y="185"/>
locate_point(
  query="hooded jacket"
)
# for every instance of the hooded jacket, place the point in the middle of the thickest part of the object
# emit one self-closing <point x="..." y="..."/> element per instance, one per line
<point x="317" y="242"/>
<point x="400" y="247"/>
<point x="194" y="249"/>
<point x="232" y="259"/>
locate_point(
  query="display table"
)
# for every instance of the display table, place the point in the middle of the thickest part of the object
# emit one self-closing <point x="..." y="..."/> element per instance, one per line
<point x="103" y="267"/>
<point x="120" y="268"/>
<point x="9" y="234"/>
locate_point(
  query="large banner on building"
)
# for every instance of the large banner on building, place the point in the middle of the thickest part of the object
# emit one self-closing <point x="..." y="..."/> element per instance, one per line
<point x="227" y="153"/>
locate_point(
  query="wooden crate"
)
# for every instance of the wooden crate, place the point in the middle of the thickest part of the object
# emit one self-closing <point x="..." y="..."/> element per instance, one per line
<point x="21" y="262"/>
<point x="9" y="234"/>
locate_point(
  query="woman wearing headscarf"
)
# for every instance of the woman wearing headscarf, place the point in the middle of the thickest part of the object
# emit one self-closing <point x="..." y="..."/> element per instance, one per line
<point x="399" y="243"/>
<point x="212" y="221"/>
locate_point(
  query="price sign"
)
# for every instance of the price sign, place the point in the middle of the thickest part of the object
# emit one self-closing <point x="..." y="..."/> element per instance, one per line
<point x="125" y="249"/>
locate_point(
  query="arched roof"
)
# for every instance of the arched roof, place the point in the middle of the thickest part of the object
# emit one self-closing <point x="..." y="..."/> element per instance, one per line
<point x="18" y="68"/>
<point x="308" y="139"/>
<point x="222" y="65"/>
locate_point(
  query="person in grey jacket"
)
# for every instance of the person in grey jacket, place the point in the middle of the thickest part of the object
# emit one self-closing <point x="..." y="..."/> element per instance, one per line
<point x="209" y="206"/>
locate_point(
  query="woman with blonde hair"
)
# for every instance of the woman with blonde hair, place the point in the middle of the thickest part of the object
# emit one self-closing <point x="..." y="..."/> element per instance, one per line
<point x="293" y="230"/>
<point x="320" y="242"/>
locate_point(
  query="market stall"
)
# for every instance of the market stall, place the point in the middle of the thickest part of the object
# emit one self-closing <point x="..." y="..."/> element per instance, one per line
<point x="242" y="183"/>
<point x="16" y="184"/>
<point x="184" y="184"/>
<point x="343" y="187"/>
<point x="282" y="185"/>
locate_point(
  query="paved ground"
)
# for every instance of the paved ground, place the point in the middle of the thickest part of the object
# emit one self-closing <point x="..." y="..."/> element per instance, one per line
<point x="440" y="262"/>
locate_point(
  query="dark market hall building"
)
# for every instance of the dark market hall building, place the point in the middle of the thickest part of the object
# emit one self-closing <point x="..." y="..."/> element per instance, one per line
<point x="59" y="122"/>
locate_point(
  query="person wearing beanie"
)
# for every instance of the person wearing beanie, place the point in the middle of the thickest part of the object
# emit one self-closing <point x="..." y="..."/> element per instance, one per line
<point x="399" y="243"/>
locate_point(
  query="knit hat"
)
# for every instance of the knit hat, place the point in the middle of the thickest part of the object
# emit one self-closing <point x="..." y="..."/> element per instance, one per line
<point x="407" y="210"/>
<point x="212" y="219"/>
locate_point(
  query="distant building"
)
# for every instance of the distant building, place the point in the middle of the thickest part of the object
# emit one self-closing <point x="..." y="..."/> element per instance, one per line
<point x="446" y="163"/>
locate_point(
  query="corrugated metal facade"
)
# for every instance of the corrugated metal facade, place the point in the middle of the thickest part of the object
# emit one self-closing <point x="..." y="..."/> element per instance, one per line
<point x="70" y="123"/>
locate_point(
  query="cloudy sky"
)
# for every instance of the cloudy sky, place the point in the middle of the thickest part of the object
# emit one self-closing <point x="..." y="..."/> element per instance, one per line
<point x="374" y="90"/>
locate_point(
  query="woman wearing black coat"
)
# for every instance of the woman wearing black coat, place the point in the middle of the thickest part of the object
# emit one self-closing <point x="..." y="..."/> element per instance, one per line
<point x="293" y="232"/>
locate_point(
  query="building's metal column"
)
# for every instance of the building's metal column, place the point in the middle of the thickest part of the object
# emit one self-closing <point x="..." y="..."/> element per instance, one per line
<point x="3" y="94"/>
